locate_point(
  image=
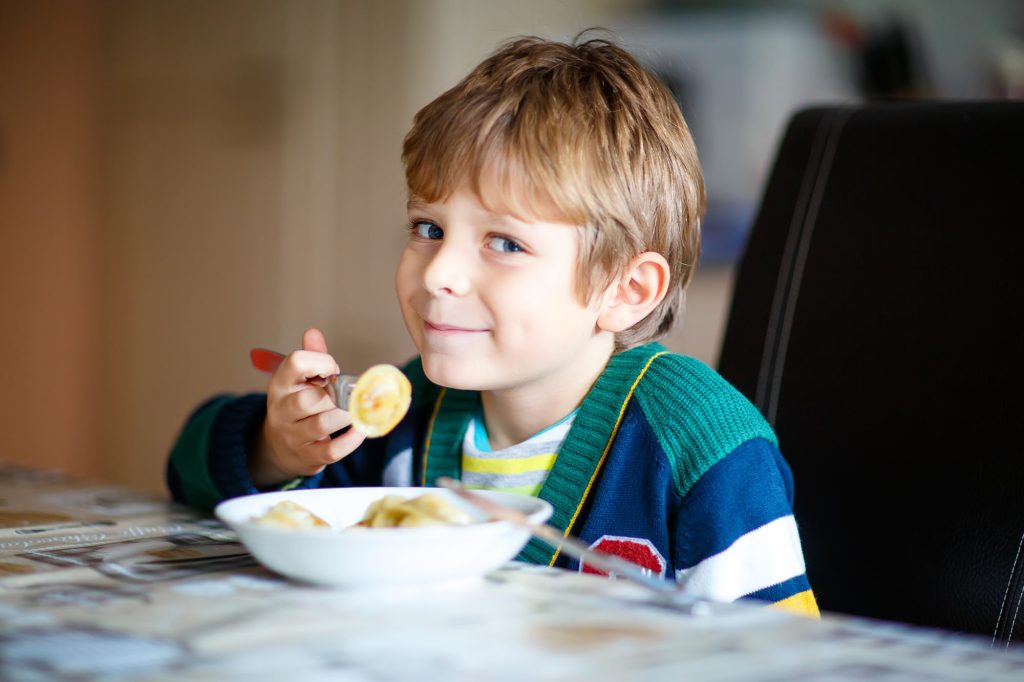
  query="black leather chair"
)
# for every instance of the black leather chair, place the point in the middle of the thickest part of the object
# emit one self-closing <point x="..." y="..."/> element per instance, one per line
<point x="878" y="322"/>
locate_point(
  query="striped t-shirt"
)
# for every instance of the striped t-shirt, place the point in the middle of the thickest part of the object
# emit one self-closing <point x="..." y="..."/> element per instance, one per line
<point x="521" y="468"/>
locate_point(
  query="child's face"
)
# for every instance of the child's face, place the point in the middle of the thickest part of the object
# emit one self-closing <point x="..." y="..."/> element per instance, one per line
<point x="489" y="299"/>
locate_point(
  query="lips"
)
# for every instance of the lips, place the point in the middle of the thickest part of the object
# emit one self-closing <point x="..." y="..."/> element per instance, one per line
<point x="450" y="328"/>
<point x="446" y="338"/>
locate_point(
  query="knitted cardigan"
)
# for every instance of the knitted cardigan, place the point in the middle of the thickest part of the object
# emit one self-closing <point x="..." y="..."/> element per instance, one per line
<point x="666" y="464"/>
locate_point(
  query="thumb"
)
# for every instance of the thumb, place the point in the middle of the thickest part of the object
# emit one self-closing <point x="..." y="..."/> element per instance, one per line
<point x="313" y="339"/>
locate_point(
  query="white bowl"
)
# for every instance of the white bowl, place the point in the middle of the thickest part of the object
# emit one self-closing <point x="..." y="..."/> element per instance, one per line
<point x="378" y="556"/>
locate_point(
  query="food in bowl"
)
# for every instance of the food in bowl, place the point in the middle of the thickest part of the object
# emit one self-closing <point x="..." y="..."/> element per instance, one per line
<point x="379" y="400"/>
<point x="288" y="514"/>
<point x="389" y="511"/>
<point x="429" y="509"/>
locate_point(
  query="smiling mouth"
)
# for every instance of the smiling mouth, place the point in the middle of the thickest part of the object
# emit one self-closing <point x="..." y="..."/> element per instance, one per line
<point x="450" y="329"/>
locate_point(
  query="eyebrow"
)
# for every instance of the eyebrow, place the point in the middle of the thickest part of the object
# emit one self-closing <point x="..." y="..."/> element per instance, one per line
<point x="489" y="216"/>
<point x="416" y="204"/>
<point x="498" y="220"/>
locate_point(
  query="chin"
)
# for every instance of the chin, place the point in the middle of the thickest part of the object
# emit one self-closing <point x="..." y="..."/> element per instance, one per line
<point x="449" y="372"/>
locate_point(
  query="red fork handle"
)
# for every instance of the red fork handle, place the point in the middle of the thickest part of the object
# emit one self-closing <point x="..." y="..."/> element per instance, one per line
<point x="266" y="360"/>
<point x="269" y="360"/>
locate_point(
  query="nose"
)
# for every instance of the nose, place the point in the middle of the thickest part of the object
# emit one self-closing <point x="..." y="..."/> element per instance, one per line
<point x="447" y="272"/>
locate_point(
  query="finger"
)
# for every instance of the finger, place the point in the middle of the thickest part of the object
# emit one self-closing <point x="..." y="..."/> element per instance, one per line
<point x="305" y="402"/>
<point x="329" y="451"/>
<point x="300" y="368"/>
<point x="313" y="339"/>
<point x="321" y="425"/>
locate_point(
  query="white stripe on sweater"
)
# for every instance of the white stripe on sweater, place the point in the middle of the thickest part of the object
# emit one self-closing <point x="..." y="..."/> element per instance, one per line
<point x="761" y="558"/>
<point x="398" y="472"/>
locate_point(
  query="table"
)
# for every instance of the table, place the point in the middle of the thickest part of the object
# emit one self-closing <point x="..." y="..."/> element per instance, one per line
<point x="101" y="582"/>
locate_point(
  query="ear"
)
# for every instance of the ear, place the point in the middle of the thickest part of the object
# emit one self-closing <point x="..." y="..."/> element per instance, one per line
<point x="634" y="294"/>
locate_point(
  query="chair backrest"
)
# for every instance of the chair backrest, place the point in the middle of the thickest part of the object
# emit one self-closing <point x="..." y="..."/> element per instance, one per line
<point x="878" y="323"/>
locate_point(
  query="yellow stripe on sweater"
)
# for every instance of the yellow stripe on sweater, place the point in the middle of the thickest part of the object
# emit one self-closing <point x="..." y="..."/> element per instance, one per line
<point x="802" y="603"/>
<point x="525" y="490"/>
<point x="430" y="431"/>
<point x="521" y="465"/>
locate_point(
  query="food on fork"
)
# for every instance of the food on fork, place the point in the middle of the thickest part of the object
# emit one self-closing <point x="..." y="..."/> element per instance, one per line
<point x="290" y="515"/>
<point x="429" y="509"/>
<point x="379" y="400"/>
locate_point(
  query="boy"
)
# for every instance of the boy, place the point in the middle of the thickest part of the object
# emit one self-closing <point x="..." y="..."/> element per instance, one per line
<point x="554" y="210"/>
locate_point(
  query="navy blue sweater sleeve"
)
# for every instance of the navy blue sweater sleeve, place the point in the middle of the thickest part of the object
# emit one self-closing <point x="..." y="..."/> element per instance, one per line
<point x="210" y="460"/>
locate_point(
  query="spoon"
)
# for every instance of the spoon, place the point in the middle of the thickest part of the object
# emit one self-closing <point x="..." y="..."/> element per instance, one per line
<point x="668" y="592"/>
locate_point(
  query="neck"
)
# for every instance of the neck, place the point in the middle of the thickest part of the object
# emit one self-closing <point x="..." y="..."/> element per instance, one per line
<point x="514" y="414"/>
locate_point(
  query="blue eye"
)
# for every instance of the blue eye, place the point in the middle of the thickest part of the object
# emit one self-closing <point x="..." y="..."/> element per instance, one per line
<point x="504" y="245"/>
<point x="426" y="230"/>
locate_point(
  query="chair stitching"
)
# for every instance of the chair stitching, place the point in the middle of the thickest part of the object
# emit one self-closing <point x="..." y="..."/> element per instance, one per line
<point x="810" y="221"/>
<point x="1009" y="582"/>
<point x="1013" y="623"/>
<point x="788" y="255"/>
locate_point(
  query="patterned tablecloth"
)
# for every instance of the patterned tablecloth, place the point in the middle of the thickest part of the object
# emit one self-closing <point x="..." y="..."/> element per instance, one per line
<point x="98" y="582"/>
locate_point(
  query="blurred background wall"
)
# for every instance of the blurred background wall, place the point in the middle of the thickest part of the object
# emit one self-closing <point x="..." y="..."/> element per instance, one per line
<point x="181" y="180"/>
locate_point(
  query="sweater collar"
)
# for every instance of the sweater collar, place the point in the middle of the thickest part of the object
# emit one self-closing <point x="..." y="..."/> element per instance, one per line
<point x="579" y="459"/>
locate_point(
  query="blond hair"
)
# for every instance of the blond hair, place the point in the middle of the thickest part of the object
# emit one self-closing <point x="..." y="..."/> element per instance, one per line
<point x="578" y="133"/>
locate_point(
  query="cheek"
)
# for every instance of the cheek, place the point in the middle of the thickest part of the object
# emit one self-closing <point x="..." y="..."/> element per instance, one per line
<point x="405" y="276"/>
<point x="536" y="307"/>
<point x="405" y="292"/>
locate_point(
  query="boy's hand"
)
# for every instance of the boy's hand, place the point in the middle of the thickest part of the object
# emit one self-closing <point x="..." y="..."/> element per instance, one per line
<point x="301" y="416"/>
